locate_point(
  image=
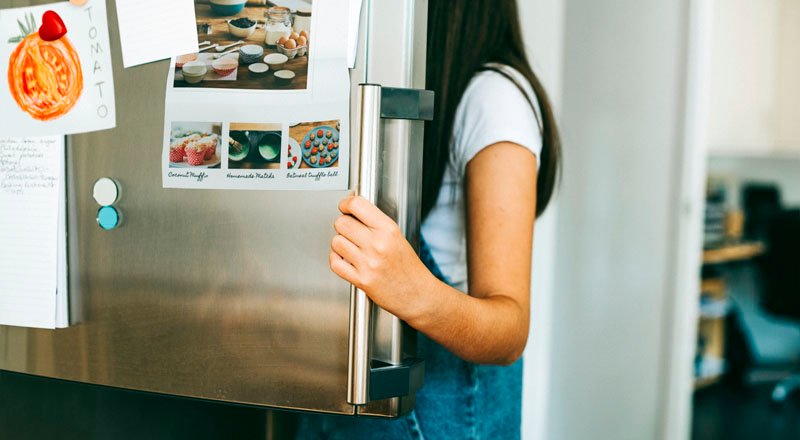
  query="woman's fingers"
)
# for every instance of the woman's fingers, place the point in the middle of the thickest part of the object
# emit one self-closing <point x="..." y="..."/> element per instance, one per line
<point x="342" y="268"/>
<point x="353" y="230"/>
<point x="364" y="211"/>
<point x="347" y="250"/>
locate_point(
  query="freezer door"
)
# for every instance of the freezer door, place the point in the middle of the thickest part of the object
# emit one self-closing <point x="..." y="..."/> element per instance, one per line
<point x="221" y="295"/>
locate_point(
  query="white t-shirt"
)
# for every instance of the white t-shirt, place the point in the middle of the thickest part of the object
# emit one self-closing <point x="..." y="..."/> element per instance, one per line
<point x="492" y="110"/>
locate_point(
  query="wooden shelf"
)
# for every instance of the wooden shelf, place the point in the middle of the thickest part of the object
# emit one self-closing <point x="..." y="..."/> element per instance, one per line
<point x="706" y="381"/>
<point x="714" y="287"/>
<point x="733" y="252"/>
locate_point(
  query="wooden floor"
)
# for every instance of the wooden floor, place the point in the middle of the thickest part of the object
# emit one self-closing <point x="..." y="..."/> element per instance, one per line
<point x="722" y="412"/>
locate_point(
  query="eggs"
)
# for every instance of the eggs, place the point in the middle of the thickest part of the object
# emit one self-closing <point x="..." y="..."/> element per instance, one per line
<point x="294" y="41"/>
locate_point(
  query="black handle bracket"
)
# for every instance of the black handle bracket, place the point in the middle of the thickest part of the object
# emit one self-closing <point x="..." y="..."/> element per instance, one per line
<point x="411" y="104"/>
<point x="387" y="380"/>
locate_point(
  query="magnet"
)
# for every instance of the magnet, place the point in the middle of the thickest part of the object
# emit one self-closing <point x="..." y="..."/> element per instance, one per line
<point x="105" y="191"/>
<point x="108" y="218"/>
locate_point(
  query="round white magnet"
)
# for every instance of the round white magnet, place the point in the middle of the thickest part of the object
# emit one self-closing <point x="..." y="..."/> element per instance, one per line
<point x="105" y="191"/>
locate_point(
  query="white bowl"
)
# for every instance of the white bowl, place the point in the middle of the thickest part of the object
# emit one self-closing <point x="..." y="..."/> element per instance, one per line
<point x="241" y="32"/>
<point x="194" y="71"/>
<point x="285" y="76"/>
<point x="258" y="68"/>
<point x="276" y="60"/>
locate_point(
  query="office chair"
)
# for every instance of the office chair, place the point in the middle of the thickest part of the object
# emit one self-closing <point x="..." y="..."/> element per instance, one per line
<point x="781" y="269"/>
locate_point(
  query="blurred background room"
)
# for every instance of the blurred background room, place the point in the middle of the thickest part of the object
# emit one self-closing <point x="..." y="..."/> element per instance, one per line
<point x="674" y="306"/>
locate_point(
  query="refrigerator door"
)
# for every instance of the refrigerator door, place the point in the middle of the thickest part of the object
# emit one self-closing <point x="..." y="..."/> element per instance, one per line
<point x="221" y="295"/>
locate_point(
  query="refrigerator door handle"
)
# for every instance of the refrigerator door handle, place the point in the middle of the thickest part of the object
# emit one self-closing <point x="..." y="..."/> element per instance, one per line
<point x="360" y="304"/>
<point x="390" y="103"/>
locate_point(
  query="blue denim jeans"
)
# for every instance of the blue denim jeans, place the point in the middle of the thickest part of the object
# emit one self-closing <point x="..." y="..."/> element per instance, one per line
<point x="460" y="400"/>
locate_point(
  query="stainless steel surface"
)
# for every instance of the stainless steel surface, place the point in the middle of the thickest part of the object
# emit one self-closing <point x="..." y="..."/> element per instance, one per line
<point x="222" y="295"/>
<point x="360" y="304"/>
<point x="397" y="54"/>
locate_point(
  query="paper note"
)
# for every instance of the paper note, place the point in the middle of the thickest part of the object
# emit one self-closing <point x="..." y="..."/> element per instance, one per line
<point x="353" y="24"/>
<point x="38" y="41"/>
<point x="152" y="30"/>
<point x="31" y="176"/>
<point x="276" y="117"/>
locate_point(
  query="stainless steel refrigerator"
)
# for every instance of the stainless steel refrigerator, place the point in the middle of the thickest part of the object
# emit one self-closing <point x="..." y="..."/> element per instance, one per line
<point x="227" y="295"/>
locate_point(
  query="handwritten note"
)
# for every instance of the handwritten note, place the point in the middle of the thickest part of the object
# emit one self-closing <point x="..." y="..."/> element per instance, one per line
<point x="152" y="30"/>
<point x="31" y="227"/>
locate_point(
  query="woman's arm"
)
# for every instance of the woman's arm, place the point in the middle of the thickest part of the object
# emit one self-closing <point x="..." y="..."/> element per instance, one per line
<point x="490" y="325"/>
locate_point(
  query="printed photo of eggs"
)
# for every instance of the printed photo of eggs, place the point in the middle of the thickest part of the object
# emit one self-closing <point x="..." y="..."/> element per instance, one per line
<point x="254" y="146"/>
<point x="195" y="145"/>
<point x="313" y="145"/>
<point x="249" y="45"/>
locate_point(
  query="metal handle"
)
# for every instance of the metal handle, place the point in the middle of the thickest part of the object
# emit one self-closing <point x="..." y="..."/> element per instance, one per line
<point x="360" y="305"/>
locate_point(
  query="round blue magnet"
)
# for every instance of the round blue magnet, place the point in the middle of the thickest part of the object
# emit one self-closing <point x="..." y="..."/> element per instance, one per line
<point x="108" y="218"/>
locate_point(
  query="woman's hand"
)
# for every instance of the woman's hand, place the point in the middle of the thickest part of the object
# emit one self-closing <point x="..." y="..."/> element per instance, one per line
<point x="370" y="252"/>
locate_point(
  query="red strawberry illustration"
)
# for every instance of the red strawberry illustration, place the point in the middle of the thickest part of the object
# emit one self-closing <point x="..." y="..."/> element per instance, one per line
<point x="52" y="27"/>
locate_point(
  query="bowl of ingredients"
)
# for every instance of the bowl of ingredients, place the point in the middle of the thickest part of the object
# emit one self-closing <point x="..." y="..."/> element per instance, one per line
<point x="224" y="66"/>
<point x="242" y="27"/>
<point x="250" y="53"/>
<point x="269" y="146"/>
<point x="183" y="59"/>
<point x="194" y="71"/>
<point x="320" y="147"/>
<point x="237" y="150"/>
<point x="276" y="60"/>
<point x="284" y="76"/>
<point x="227" y="7"/>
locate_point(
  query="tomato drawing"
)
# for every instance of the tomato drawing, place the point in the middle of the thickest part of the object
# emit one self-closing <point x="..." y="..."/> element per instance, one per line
<point x="44" y="71"/>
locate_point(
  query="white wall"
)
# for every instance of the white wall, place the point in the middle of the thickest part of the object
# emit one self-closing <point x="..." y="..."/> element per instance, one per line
<point x="624" y="104"/>
<point x="755" y="86"/>
<point x="744" y="66"/>
<point x="543" y="26"/>
<point x="788" y="130"/>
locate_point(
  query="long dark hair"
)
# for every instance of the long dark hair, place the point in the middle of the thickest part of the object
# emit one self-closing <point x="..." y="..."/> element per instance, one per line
<point x="463" y="37"/>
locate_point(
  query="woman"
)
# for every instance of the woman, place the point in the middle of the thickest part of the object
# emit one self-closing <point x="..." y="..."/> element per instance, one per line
<point x="490" y="164"/>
